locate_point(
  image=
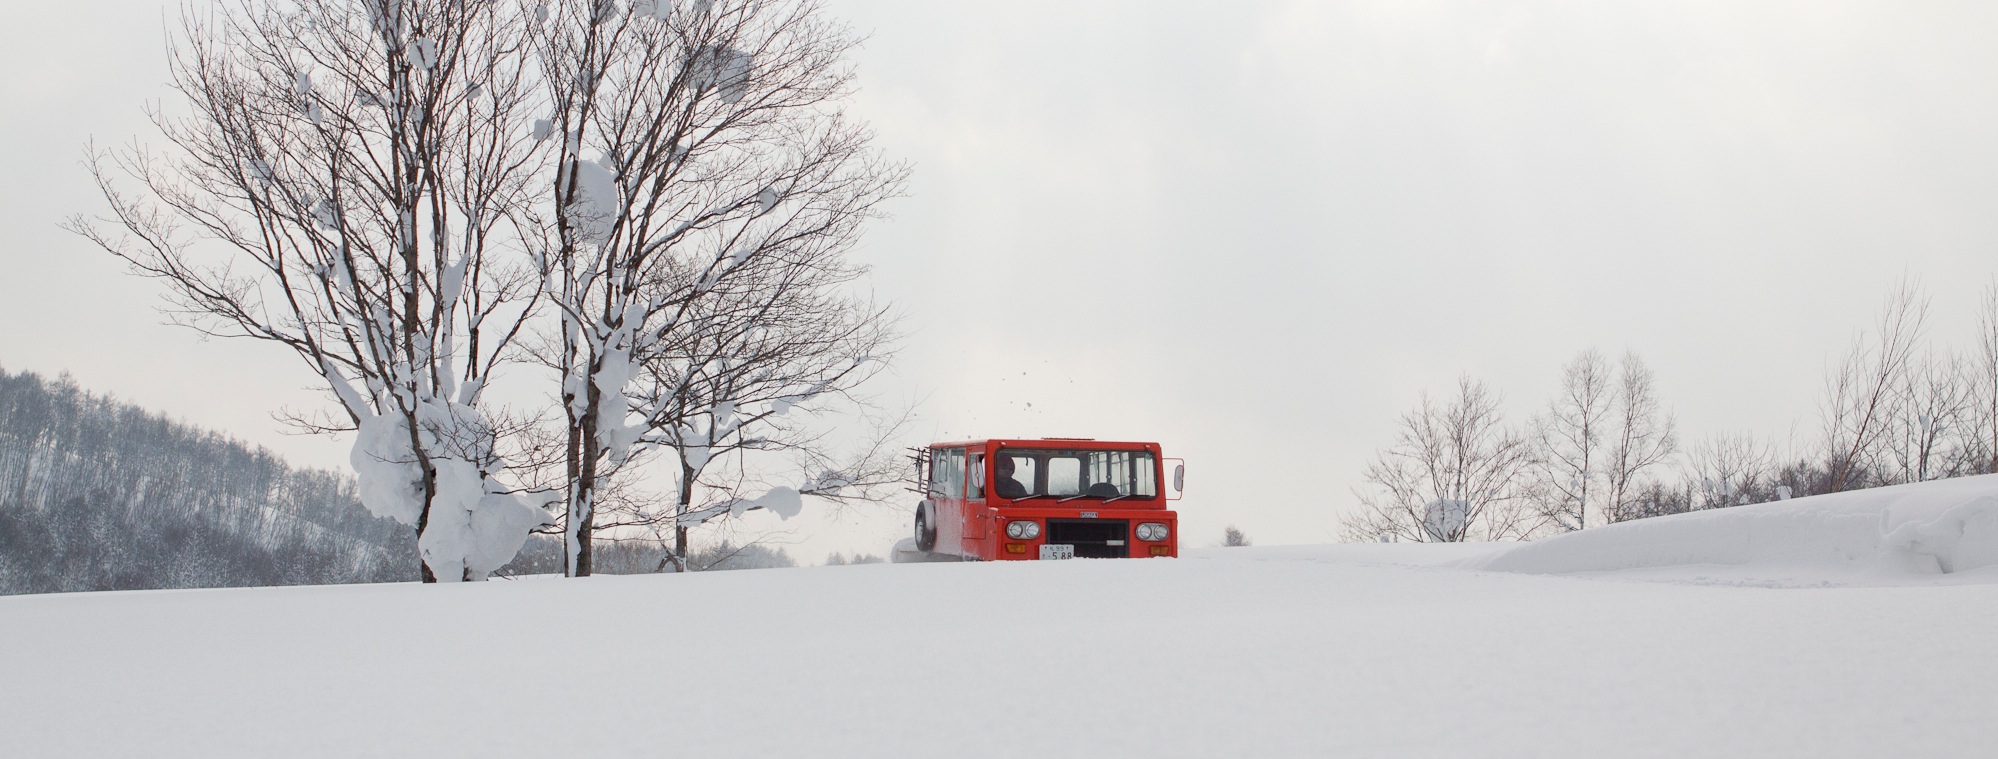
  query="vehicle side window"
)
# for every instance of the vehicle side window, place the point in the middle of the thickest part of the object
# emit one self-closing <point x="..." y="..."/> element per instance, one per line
<point x="947" y="473"/>
<point x="939" y="472"/>
<point x="975" y="486"/>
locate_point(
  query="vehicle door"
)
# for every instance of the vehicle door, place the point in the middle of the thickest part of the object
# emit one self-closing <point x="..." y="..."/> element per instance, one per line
<point x="947" y="492"/>
<point x="978" y="518"/>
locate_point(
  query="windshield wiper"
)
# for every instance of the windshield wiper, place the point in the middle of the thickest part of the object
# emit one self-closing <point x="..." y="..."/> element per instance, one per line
<point x="1086" y="495"/>
<point x="1031" y="497"/>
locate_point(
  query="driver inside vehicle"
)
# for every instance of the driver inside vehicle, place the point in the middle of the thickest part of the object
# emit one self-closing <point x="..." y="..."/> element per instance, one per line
<point x="1003" y="483"/>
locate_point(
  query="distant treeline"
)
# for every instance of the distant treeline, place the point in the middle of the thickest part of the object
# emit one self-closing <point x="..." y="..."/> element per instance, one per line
<point x="543" y="555"/>
<point x="97" y="494"/>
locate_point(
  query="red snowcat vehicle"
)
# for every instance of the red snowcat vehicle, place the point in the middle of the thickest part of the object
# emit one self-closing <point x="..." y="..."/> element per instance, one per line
<point x="1052" y="498"/>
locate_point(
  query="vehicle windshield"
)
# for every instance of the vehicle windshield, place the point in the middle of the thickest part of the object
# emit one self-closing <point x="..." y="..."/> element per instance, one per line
<point x="1033" y="473"/>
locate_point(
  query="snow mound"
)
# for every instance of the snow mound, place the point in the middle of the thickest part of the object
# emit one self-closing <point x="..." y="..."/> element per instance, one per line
<point x="1922" y="533"/>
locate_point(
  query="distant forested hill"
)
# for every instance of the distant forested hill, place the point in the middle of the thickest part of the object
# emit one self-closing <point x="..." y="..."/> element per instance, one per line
<point x="96" y="494"/>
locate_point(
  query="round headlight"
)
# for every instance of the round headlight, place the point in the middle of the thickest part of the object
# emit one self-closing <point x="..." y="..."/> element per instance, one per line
<point x="1025" y="529"/>
<point x="1153" y="531"/>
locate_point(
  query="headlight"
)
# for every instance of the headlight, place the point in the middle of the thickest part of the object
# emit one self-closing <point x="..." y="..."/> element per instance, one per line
<point x="1025" y="529"/>
<point x="1153" y="531"/>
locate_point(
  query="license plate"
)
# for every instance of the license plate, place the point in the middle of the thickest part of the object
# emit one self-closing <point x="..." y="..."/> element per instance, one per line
<point x="1057" y="551"/>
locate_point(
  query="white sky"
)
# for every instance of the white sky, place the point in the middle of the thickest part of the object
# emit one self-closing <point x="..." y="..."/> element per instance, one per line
<point x="1253" y="231"/>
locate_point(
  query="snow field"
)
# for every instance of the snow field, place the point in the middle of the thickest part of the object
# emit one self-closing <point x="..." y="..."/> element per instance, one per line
<point x="1359" y="650"/>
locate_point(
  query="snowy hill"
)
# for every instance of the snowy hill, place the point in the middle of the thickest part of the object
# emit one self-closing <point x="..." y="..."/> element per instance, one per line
<point x="98" y="494"/>
<point x="1926" y="533"/>
<point x="1352" y="650"/>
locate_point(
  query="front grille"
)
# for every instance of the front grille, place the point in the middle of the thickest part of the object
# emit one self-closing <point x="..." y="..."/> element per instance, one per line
<point x="1093" y="538"/>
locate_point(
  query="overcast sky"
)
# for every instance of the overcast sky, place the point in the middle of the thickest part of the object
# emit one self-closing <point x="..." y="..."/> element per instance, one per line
<point x="1252" y="231"/>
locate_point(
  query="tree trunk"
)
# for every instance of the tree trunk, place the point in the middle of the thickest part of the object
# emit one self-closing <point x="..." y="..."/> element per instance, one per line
<point x="584" y="451"/>
<point x="679" y="529"/>
<point x="429" y="494"/>
<point x="422" y="567"/>
<point x="679" y="549"/>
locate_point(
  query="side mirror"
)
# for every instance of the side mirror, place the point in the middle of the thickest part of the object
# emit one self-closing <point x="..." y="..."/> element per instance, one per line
<point x="1179" y="478"/>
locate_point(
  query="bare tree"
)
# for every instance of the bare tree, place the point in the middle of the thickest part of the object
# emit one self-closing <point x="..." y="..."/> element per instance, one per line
<point x="710" y="186"/>
<point x="1234" y="538"/>
<point x="1862" y="391"/>
<point x="351" y="184"/>
<point x="1729" y="469"/>
<point x="1656" y="498"/>
<point x="1932" y="421"/>
<point x="1981" y="379"/>
<point x="1644" y="435"/>
<point x="719" y="400"/>
<point x="1455" y="473"/>
<point x="1597" y="439"/>
<point x="1570" y="438"/>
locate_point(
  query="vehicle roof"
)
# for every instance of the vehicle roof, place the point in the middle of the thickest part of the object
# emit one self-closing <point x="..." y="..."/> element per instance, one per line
<point x="1050" y="442"/>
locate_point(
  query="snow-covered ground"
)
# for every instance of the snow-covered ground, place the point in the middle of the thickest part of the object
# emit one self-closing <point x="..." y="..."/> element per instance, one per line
<point x="1637" y="640"/>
